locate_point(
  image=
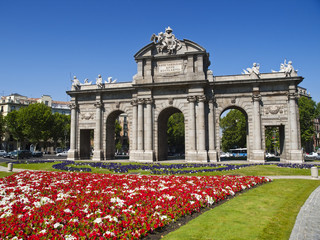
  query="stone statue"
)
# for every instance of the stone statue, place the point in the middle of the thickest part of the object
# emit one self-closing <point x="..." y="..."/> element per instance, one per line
<point x="166" y="42"/>
<point x="255" y="69"/>
<point x="99" y="81"/>
<point x="286" y="68"/>
<point x="86" y="82"/>
<point x="110" y="80"/>
<point x="75" y="82"/>
<point x="289" y="69"/>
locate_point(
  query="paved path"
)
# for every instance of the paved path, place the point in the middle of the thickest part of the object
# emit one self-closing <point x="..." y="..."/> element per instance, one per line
<point x="307" y="226"/>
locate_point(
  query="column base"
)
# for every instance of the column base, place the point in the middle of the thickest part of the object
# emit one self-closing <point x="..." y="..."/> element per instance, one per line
<point x="197" y="156"/>
<point x="257" y="156"/>
<point x="73" y="155"/>
<point x="97" y="155"/>
<point x="213" y="156"/>
<point x="148" y="156"/>
<point x="295" y="156"/>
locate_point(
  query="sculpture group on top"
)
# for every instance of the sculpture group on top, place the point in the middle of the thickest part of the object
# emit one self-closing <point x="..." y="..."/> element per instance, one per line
<point x="166" y="42"/>
<point x="255" y="69"/>
<point x="285" y="67"/>
<point x="99" y="82"/>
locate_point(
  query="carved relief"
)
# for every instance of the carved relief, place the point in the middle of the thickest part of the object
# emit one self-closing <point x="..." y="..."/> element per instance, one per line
<point x="274" y="109"/>
<point x="86" y="116"/>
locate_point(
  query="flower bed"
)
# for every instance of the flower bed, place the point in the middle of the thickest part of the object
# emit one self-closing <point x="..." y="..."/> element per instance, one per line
<point x="158" y="169"/>
<point x="57" y="205"/>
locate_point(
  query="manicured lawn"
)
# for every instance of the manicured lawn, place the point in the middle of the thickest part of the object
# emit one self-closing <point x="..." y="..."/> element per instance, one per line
<point x="5" y="174"/>
<point x="266" y="212"/>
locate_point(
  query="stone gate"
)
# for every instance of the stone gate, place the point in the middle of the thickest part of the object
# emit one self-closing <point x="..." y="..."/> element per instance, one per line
<point x="173" y="76"/>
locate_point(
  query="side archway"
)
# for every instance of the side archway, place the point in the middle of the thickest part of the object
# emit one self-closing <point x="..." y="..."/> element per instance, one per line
<point x="163" y="146"/>
<point x="234" y="133"/>
<point x="111" y="138"/>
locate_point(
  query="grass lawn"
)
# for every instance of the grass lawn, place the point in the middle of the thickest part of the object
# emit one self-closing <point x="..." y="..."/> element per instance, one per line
<point x="266" y="212"/>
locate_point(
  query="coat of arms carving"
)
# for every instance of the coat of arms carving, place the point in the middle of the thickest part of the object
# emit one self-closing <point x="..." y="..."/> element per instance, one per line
<point x="166" y="42"/>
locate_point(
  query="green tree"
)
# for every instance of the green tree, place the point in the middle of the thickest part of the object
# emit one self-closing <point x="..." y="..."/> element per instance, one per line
<point x="1" y="128"/>
<point x="307" y="112"/>
<point x="60" y="129"/>
<point x="272" y="139"/>
<point x="234" y="130"/>
<point x="117" y="131"/>
<point x="14" y="126"/>
<point x="175" y="131"/>
<point x="36" y="120"/>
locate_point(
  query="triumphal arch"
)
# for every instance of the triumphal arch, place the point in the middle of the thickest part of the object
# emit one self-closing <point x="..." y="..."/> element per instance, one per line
<point x="174" y="76"/>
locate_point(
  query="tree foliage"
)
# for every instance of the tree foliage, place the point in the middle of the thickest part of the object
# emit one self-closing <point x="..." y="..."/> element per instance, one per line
<point x="308" y="110"/>
<point x="175" y="131"/>
<point x="1" y="127"/>
<point x="60" y="129"/>
<point x="36" y="123"/>
<point x="234" y="130"/>
<point x="36" y="120"/>
<point x="272" y="139"/>
<point x="14" y="126"/>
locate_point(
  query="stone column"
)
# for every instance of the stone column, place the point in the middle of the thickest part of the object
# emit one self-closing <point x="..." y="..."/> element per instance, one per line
<point x="257" y="152"/>
<point x="98" y="153"/>
<point x="295" y="154"/>
<point x="191" y="152"/>
<point x="140" y="124"/>
<point x="148" y="121"/>
<point x="73" y="152"/>
<point x="134" y="137"/>
<point x="148" y="137"/>
<point x="201" y="130"/>
<point x="212" y="153"/>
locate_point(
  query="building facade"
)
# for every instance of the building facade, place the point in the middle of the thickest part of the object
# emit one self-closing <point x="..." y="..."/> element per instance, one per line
<point x="15" y="101"/>
<point x="174" y="76"/>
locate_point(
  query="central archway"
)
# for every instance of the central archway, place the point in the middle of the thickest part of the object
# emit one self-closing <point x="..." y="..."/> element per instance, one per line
<point x="234" y="129"/>
<point x="117" y="135"/>
<point x="163" y="147"/>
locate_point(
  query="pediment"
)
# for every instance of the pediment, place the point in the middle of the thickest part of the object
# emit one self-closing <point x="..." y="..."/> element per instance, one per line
<point x="153" y="50"/>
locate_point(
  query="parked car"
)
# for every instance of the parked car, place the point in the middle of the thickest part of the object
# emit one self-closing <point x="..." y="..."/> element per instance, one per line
<point x="2" y="153"/>
<point x="7" y="155"/>
<point x="62" y="154"/>
<point x="37" y="154"/>
<point x="313" y="155"/>
<point x="20" y="154"/>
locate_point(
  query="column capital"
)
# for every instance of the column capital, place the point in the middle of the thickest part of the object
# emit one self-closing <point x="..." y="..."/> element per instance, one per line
<point x="141" y="101"/>
<point x="134" y="102"/>
<point x="98" y="104"/>
<point x="202" y="98"/>
<point x="192" y="98"/>
<point x="292" y="95"/>
<point x="73" y="106"/>
<point x="149" y="101"/>
<point x="256" y="97"/>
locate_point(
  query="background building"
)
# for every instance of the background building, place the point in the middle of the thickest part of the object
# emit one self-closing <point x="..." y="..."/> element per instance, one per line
<point x="15" y="101"/>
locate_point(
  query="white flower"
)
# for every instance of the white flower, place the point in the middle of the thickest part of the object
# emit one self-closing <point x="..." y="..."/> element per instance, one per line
<point x="98" y="220"/>
<point x="210" y="200"/>
<point x="109" y="233"/>
<point x="67" y="210"/>
<point x="43" y="231"/>
<point x="69" y="237"/>
<point x="57" y="225"/>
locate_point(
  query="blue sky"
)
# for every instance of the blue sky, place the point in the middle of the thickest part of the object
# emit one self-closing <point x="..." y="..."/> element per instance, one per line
<point x="44" y="42"/>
